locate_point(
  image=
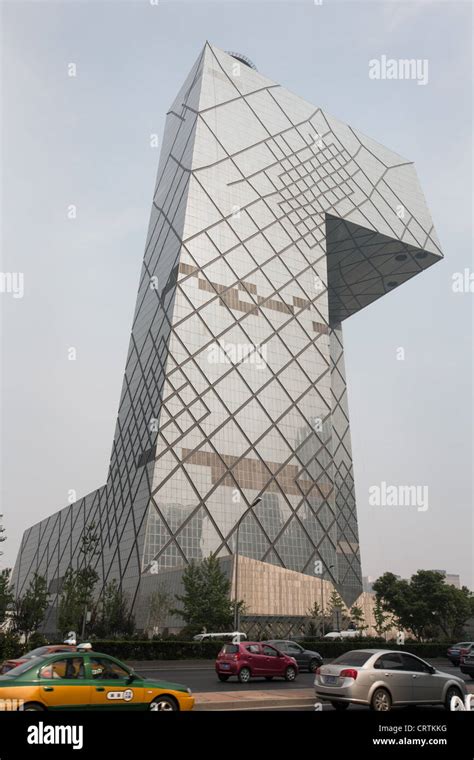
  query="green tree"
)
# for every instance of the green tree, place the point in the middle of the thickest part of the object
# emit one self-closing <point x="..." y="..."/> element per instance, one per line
<point x="159" y="604"/>
<point x="425" y="605"/>
<point x="453" y="612"/>
<point x="383" y="622"/>
<point x="2" y="533"/>
<point x="317" y="618"/>
<point x="335" y="601"/>
<point x="191" y="600"/>
<point x="70" y="608"/>
<point x="113" y="617"/>
<point x="29" y="609"/>
<point x="357" y="617"/>
<point x="314" y="613"/>
<point x="6" y="594"/>
<point x="337" y="609"/>
<point x="87" y="575"/>
<point x="77" y="591"/>
<point x="206" y="600"/>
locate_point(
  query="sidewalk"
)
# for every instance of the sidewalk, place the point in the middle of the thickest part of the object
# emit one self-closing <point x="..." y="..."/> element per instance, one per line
<point x="253" y="700"/>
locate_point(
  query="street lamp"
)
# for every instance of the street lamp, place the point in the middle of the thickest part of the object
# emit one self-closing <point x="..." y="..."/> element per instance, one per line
<point x="330" y="567"/>
<point x="236" y="561"/>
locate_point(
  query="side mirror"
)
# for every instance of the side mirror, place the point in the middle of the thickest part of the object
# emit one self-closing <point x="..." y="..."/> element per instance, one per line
<point x="132" y="677"/>
<point x="432" y="670"/>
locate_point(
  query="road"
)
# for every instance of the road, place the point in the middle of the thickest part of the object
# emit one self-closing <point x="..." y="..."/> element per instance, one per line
<point x="200" y="676"/>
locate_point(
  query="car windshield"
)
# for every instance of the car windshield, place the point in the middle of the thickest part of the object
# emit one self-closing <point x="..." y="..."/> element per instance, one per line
<point x="14" y="672"/>
<point x="35" y="653"/>
<point x="355" y="657"/>
<point x="230" y="649"/>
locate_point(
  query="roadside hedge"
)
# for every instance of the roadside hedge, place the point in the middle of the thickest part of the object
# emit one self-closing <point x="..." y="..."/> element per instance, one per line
<point x="159" y="650"/>
<point x="331" y="649"/>
<point x="10" y="646"/>
<point x="208" y="650"/>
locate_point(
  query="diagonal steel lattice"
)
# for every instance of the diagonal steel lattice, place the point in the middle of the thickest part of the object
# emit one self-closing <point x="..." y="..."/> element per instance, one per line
<point x="271" y="223"/>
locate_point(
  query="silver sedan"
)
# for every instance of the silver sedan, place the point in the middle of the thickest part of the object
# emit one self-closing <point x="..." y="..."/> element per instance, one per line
<point x="381" y="679"/>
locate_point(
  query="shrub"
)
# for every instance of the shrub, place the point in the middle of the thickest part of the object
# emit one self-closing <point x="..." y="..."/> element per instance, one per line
<point x="159" y="650"/>
<point x="10" y="645"/>
<point x="331" y="649"/>
<point x="207" y="650"/>
<point x="38" y="640"/>
<point x="173" y="649"/>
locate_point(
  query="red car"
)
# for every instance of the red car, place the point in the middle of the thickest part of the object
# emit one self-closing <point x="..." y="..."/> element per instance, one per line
<point x="464" y="652"/>
<point x="39" y="652"/>
<point x="251" y="659"/>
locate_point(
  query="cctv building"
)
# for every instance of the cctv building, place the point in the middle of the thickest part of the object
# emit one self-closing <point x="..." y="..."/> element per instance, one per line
<point x="271" y="223"/>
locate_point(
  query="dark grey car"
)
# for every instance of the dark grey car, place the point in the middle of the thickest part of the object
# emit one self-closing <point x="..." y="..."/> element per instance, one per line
<point x="467" y="666"/>
<point x="306" y="659"/>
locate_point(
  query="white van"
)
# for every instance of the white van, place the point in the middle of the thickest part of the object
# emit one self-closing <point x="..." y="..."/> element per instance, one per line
<point x="343" y="635"/>
<point x="234" y="637"/>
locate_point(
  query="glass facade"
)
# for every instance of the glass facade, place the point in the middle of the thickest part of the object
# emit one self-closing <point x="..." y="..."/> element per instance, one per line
<point x="271" y="223"/>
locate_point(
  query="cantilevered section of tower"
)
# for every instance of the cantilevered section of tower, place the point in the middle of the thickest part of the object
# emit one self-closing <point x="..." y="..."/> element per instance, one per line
<point x="272" y="222"/>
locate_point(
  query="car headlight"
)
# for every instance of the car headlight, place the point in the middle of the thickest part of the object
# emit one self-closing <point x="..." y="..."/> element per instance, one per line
<point x="189" y="691"/>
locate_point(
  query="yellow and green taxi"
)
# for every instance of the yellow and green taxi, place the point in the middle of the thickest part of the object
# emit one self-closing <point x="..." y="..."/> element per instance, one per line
<point x="87" y="681"/>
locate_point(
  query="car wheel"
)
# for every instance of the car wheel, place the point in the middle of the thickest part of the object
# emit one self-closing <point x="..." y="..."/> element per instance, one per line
<point x="33" y="707"/>
<point x="313" y="666"/>
<point x="290" y="673"/>
<point x="268" y="678"/>
<point x="244" y="675"/>
<point x="381" y="701"/>
<point x="164" y="704"/>
<point x="340" y="705"/>
<point x="222" y="677"/>
<point x="453" y="691"/>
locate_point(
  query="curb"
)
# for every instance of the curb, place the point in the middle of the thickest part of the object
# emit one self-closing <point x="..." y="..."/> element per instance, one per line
<point x="252" y="700"/>
<point x="252" y="704"/>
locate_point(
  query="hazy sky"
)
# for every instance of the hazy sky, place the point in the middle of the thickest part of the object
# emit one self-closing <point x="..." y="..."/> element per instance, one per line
<point x="85" y="140"/>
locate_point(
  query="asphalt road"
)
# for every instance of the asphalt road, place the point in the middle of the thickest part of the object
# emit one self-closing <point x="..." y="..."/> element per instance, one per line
<point x="328" y="708"/>
<point x="201" y="677"/>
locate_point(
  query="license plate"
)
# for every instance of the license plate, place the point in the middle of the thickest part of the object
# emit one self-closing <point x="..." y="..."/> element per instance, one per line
<point x="225" y="666"/>
<point x="330" y="679"/>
